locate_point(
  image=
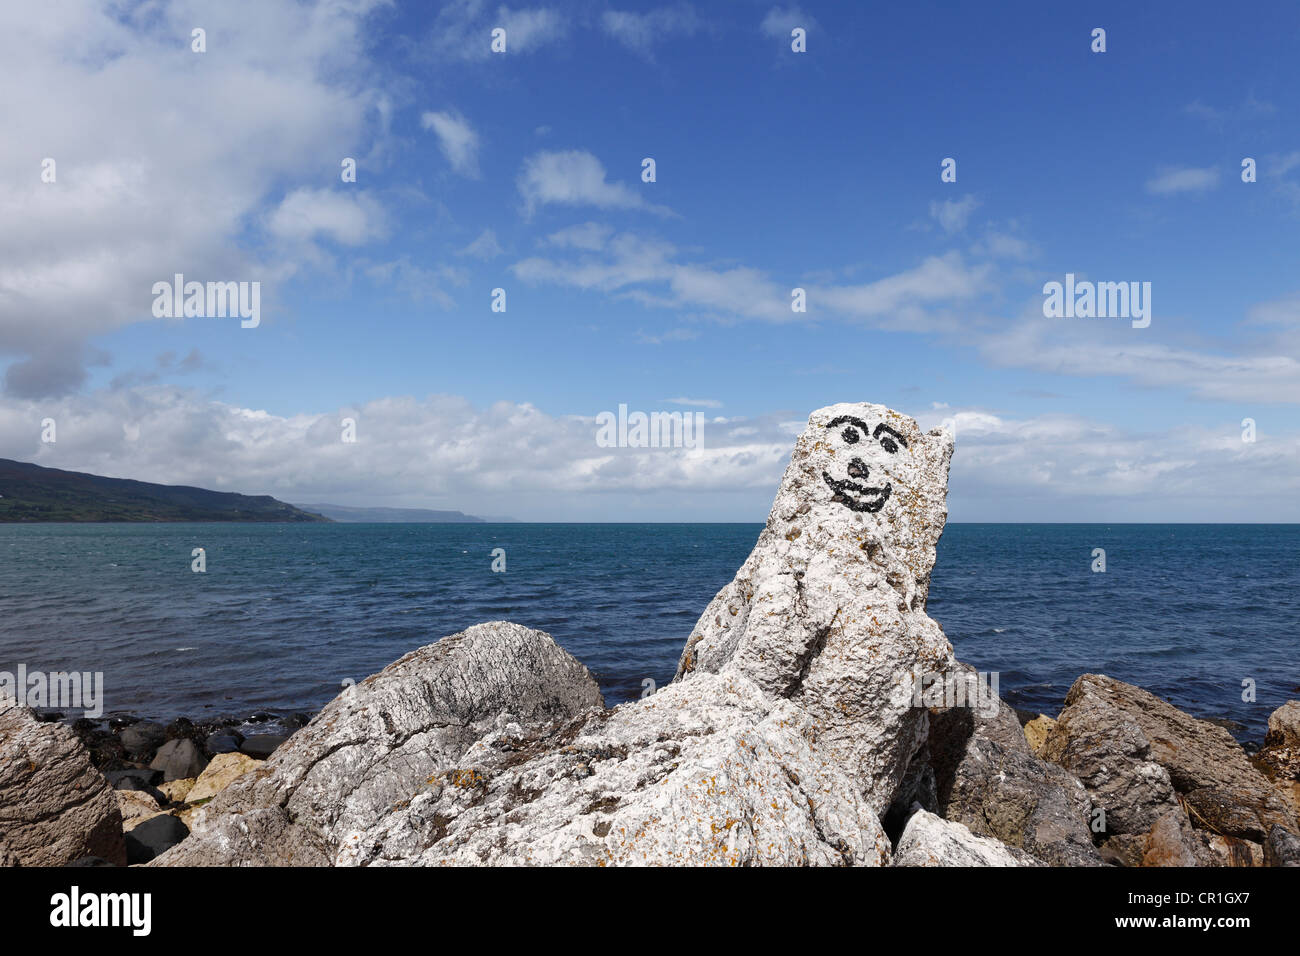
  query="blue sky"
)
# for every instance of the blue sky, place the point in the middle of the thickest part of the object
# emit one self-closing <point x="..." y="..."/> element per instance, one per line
<point x="775" y="170"/>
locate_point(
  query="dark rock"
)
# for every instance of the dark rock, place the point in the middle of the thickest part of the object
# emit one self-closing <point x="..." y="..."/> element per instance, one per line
<point x="223" y="742"/>
<point x="143" y="739"/>
<point x="118" y="721"/>
<point x="49" y="716"/>
<point x="133" y="779"/>
<point x="1282" y="848"/>
<point x="179" y="759"/>
<point x="987" y="778"/>
<point x="90" y="861"/>
<point x="1140" y="757"/>
<point x="261" y="746"/>
<point x="156" y="835"/>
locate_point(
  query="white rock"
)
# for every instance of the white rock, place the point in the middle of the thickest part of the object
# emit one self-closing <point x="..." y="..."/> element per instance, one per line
<point x="929" y="840"/>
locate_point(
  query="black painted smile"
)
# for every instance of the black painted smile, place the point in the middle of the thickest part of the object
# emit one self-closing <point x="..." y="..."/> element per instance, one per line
<point x="858" y="497"/>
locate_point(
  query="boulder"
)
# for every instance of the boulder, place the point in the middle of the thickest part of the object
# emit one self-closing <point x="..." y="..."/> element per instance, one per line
<point x="154" y="836"/>
<point x="1282" y="848"/>
<point x="1036" y="732"/>
<point x="1170" y="842"/>
<point x="929" y="840"/>
<point x="223" y="742"/>
<point x="179" y="759"/>
<point x="133" y="779"/>
<point x="224" y="770"/>
<point x="141" y="740"/>
<point x="54" y="805"/>
<point x="1284" y="726"/>
<point x="828" y="611"/>
<point x="261" y="746"/>
<point x="136" y="807"/>
<point x="987" y="778"/>
<point x="706" y="772"/>
<point x="1140" y="757"/>
<point x="176" y="791"/>
<point x="377" y="743"/>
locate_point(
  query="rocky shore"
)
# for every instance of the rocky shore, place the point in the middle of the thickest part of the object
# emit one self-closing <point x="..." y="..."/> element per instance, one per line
<point x="818" y="717"/>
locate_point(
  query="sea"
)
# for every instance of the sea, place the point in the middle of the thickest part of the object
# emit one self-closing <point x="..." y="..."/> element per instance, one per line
<point x="283" y="615"/>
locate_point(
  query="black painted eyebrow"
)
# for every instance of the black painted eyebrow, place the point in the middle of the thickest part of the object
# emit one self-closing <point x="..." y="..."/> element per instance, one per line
<point x="851" y="420"/>
<point x="882" y="427"/>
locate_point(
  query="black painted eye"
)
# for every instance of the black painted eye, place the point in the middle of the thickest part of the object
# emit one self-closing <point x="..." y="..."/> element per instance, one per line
<point x="888" y="444"/>
<point x="850" y="435"/>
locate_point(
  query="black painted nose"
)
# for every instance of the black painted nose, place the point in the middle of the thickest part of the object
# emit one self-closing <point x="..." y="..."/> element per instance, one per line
<point x="857" y="468"/>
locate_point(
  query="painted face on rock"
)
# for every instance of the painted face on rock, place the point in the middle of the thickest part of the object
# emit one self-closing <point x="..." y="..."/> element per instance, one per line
<point x="855" y="489"/>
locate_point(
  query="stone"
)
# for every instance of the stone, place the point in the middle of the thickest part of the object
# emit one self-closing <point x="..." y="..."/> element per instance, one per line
<point x="141" y="740"/>
<point x="54" y="805"/>
<point x="929" y="840"/>
<point x="136" y="807"/>
<point x="176" y="791"/>
<point x="224" y="770"/>
<point x="988" y="779"/>
<point x="1170" y="842"/>
<point x="1229" y="851"/>
<point x="828" y="611"/>
<point x="377" y="743"/>
<point x="1284" y="726"/>
<point x="261" y="746"/>
<point x="1282" y="848"/>
<point x="179" y="759"/>
<point x="153" y="837"/>
<point x="1036" y="732"/>
<point x="133" y="779"/>
<point x="223" y="742"/>
<point x="1140" y="757"/>
<point x="706" y="772"/>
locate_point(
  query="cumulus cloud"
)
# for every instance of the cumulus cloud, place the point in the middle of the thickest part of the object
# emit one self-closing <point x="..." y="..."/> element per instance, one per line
<point x="953" y="214"/>
<point x="110" y="94"/>
<point x="1182" y="179"/>
<point x="640" y="31"/>
<point x="779" y="21"/>
<point x="457" y="140"/>
<point x="463" y="29"/>
<point x="576" y="178"/>
<point x="348" y="218"/>
<point x="485" y="247"/>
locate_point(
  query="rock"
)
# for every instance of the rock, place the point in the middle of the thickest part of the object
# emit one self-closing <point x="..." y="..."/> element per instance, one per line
<point x="1229" y="851"/>
<point x="90" y="861"/>
<point x="706" y="772"/>
<point x="136" y="807"/>
<point x="377" y="743"/>
<point x="929" y="840"/>
<point x="154" y="836"/>
<point x="1282" y="848"/>
<point x="142" y="740"/>
<point x="223" y="742"/>
<point x="176" y="791"/>
<point x="828" y="611"/>
<point x="1036" y="732"/>
<point x="224" y="770"/>
<point x="179" y="759"/>
<point x="1138" y="756"/>
<point x="988" y="779"/>
<point x="54" y="805"/>
<point x="133" y="779"/>
<point x="261" y="746"/>
<point x="1170" y="842"/>
<point x="1284" y="726"/>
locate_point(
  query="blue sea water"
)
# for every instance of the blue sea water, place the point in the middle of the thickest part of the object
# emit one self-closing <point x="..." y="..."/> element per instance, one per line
<point x="285" y="613"/>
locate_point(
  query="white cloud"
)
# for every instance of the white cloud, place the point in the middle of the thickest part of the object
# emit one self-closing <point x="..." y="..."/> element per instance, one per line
<point x="640" y="31"/>
<point x="463" y="30"/>
<point x="485" y="247"/>
<point x="952" y="214"/>
<point x="308" y="214"/>
<point x="1182" y="179"/>
<point x="456" y="138"/>
<point x="110" y="94"/>
<point x="779" y="21"/>
<point x="575" y="177"/>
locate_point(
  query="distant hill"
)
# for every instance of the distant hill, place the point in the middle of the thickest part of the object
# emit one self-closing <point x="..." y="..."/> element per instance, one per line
<point x="32" y="493"/>
<point x="344" y="513"/>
